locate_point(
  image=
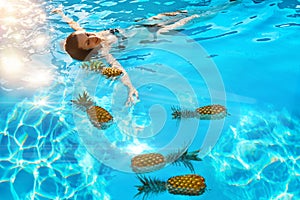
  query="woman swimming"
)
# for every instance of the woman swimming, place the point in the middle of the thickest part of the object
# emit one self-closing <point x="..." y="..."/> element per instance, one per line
<point x="82" y="45"/>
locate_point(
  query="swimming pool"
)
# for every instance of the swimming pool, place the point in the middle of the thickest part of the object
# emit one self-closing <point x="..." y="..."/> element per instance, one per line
<point x="244" y="58"/>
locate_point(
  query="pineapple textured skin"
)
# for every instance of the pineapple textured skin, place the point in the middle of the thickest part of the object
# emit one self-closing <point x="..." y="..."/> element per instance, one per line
<point x="209" y="112"/>
<point x="99" y="117"/>
<point x="190" y="184"/>
<point x="147" y="162"/>
<point x="110" y="72"/>
<point x="212" y="112"/>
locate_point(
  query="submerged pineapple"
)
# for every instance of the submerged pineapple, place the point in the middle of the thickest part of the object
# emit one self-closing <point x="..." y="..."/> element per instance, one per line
<point x="98" y="116"/>
<point x="98" y="66"/>
<point x="205" y="113"/>
<point x="212" y="112"/>
<point x="147" y="162"/>
<point x="190" y="184"/>
<point x="154" y="161"/>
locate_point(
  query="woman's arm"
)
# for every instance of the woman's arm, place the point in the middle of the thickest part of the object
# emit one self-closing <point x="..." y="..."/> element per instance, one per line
<point x="177" y="24"/>
<point x="74" y="25"/>
<point x="125" y="78"/>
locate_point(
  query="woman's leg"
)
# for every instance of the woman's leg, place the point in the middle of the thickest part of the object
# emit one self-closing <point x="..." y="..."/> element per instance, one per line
<point x="167" y="14"/>
<point x="165" y="22"/>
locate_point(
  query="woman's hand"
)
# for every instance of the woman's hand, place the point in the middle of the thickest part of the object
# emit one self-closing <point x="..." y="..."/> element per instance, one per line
<point x="74" y="25"/>
<point x="131" y="100"/>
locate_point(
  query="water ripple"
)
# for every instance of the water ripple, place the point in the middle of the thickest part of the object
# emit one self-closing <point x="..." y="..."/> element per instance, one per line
<point x="261" y="151"/>
<point x="41" y="157"/>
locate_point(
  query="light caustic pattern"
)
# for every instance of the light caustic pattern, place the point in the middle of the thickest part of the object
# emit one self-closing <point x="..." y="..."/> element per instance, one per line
<point x="23" y="34"/>
<point x="259" y="156"/>
<point x="41" y="156"/>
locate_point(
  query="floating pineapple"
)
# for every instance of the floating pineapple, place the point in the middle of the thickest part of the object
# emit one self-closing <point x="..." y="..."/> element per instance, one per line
<point x="100" y="67"/>
<point x="98" y="116"/>
<point x="154" y="161"/>
<point x="205" y="113"/>
<point x="190" y="184"/>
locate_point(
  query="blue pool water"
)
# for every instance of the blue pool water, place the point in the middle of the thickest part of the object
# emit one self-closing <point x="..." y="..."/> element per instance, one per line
<point x="244" y="57"/>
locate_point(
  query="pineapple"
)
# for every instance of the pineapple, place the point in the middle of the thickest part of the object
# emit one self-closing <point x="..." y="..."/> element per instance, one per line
<point x="154" y="161"/>
<point x="190" y="184"/>
<point x="98" y="116"/>
<point x="214" y="111"/>
<point x="147" y="162"/>
<point x="100" y="67"/>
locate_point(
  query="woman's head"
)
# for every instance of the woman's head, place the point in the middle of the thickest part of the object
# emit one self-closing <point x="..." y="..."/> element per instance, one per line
<point x="80" y="45"/>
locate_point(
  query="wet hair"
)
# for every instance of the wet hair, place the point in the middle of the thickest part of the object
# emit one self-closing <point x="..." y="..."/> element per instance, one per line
<point x="71" y="46"/>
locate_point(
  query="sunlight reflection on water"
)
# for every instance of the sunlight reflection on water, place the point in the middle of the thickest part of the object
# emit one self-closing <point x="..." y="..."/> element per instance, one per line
<point x="23" y="34"/>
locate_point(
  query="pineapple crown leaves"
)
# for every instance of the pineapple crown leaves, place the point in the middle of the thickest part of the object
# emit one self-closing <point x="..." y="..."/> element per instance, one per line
<point x="186" y="159"/>
<point x="172" y="157"/>
<point x="176" y="112"/>
<point x="94" y="65"/>
<point x="183" y="157"/>
<point x="150" y="186"/>
<point x="83" y="101"/>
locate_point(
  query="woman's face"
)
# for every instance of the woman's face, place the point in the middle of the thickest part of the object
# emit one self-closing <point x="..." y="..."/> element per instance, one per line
<point x="87" y="40"/>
